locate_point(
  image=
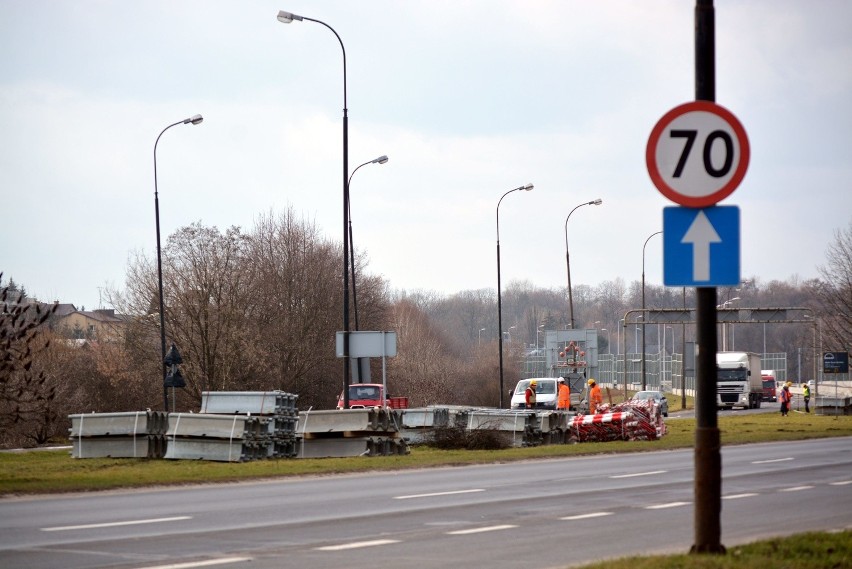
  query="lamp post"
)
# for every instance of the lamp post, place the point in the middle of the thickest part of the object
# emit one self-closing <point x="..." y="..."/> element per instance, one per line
<point x="195" y="119"/>
<point x="380" y="160"/>
<point x="362" y="372"/>
<point x="724" y="325"/>
<point x="481" y="330"/>
<point x="526" y="188"/>
<point x="509" y="333"/>
<point x="607" y="339"/>
<point x="620" y="332"/>
<point x="568" y="259"/>
<point x="537" y="332"/>
<point x="643" y="305"/>
<point x="286" y="18"/>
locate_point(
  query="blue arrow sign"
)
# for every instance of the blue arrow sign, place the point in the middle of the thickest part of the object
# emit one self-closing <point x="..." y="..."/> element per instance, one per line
<point x="701" y="247"/>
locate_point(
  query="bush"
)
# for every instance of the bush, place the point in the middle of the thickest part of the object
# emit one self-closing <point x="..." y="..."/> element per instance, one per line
<point x="450" y="438"/>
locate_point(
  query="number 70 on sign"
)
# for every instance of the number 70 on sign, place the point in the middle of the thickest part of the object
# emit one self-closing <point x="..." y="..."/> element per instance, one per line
<point x="697" y="154"/>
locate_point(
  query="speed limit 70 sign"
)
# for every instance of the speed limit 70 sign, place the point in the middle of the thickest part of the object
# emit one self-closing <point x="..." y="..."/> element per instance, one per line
<point x="697" y="154"/>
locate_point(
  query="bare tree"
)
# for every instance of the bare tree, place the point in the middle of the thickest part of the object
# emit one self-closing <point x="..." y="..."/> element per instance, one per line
<point x="835" y="291"/>
<point x="24" y="388"/>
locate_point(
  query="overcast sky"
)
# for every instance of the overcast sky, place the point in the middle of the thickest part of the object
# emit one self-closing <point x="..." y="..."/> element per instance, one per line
<point x="469" y="99"/>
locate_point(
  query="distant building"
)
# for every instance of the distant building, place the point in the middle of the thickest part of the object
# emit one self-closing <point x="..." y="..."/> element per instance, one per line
<point x="101" y="325"/>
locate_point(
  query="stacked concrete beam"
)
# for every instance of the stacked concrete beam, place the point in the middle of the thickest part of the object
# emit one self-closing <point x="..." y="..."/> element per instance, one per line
<point x="351" y="432"/>
<point x="235" y="426"/>
<point x="528" y="428"/>
<point x="134" y="434"/>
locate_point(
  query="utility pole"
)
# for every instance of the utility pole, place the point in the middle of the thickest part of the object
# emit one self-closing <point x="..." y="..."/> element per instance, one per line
<point x="708" y="455"/>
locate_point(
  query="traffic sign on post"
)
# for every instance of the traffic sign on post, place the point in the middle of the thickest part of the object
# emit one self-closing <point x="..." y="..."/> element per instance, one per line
<point x="697" y="154"/>
<point x="701" y="247"/>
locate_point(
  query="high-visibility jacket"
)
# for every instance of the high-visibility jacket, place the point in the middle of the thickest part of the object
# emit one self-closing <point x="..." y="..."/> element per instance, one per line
<point x="595" y="398"/>
<point x="806" y="391"/>
<point x="564" y="398"/>
<point x="529" y="397"/>
<point x="785" y="397"/>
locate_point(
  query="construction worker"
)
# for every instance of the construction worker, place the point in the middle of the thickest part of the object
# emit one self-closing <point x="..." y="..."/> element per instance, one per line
<point x="806" y="395"/>
<point x="563" y="400"/>
<point x="785" y="398"/>
<point x="529" y="395"/>
<point x="595" y="397"/>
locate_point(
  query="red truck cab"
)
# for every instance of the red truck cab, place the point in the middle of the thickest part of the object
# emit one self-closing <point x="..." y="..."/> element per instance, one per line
<point x="769" y="387"/>
<point x="363" y="395"/>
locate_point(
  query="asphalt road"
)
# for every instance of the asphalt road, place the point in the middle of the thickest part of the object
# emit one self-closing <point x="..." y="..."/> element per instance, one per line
<point x="537" y="514"/>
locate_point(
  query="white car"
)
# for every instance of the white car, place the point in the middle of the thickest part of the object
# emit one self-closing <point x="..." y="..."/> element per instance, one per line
<point x="657" y="396"/>
<point x="545" y="393"/>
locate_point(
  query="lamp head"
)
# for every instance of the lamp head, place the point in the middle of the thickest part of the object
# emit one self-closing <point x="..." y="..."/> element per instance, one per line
<point x="287" y="17"/>
<point x="528" y="187"/>
<point x="596" y="202"/>
<point x="381" y="159"/>
<point x="195" y="119"/>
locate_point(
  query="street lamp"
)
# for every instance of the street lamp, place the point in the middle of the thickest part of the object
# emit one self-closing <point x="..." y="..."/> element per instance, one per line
<point x="362" y="372"/>
<point x="643" y="306"/>
<point x="568" y="258"/>
<point x="481" y="330"/>
<point x="537" y="332"/>
<point x="286" y="18"/>
<point x="724" y="324"/>
<point x="380" y="160"/>
<point x="526" y="188"/>
<point x="607" y="339"/>
<point x="509" y="333"/>
<point x="195" y="119"/>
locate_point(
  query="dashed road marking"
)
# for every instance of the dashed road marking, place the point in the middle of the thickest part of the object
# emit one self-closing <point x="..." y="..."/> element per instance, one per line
<point x="586" y="516"/>
<point x="450" y="493"/>
<point x="651" y="473"/>
<point x="668" y="505"/>
<point x="206" y="563"/>
<point x="117" y="524"/>
<point x="357" y="545"/>
<point x="480" y="530"/>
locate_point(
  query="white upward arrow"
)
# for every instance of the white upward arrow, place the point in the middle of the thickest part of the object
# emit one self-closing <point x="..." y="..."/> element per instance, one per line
<point x="701" y="234"/>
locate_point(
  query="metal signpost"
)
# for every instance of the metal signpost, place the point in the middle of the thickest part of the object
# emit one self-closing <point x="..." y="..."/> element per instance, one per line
<point x="367" y="345"/>
<point x="697" y="154"/>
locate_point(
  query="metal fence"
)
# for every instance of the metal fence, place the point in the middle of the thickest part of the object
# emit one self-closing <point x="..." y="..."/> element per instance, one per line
<point x="663" y="371"/>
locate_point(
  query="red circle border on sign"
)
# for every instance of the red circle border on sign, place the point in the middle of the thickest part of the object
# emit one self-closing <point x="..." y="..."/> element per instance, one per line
<point x="724" y="191"/>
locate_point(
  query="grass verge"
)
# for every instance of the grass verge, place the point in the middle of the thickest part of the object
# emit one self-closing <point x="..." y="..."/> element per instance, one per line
<point x="815" y="550"/>
<point x="56" y="471"/>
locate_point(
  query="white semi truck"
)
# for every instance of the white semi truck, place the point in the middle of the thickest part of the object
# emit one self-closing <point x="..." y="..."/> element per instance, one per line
<point x="738" y="380"/>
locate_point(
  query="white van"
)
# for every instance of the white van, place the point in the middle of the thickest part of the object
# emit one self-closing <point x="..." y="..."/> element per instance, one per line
<point x="545" y="393"/>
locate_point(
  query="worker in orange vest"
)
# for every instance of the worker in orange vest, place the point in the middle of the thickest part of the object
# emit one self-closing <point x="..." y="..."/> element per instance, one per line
<point x="563" y="400"/>
<point x="785" y="398"/>
<point x="529" y="395"/>
<point x="595" y="397"/>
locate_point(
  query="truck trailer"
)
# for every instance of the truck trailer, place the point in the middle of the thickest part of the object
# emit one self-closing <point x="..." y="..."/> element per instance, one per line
<point x="738" y="380"/>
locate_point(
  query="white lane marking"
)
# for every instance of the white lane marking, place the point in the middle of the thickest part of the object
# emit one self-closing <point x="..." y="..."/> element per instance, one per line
<point x="771" y="460"/>
<point x="841" y="483"/>
<point x="669" y="505"/>
<point x="586" y="516"/>
<point x="737" y="496"/>
<point x="208" y="563"/>
<point x="480" y="530"/>
<point x="438" y="494"/>
<point x="116" y="524"/>
<point x="795" y="488"/>
<point x="639" y="474"/>
<point x="357" y="544"/>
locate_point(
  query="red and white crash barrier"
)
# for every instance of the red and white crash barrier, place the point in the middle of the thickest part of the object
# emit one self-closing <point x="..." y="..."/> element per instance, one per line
<point x="628" y="421"/>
